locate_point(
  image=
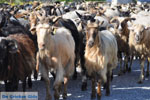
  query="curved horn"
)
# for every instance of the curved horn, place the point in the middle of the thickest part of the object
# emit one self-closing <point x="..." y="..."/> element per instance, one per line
<point x="44" y="14"/>
<point x="79" y="15"/>
<point x="115" y="20"/>
<point x="124" y="22"/>
<point x="39" y="16"/>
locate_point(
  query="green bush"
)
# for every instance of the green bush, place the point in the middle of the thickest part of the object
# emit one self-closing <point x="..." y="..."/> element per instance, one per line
<point x="2" y="1"/>
<point x="13" y="1"/>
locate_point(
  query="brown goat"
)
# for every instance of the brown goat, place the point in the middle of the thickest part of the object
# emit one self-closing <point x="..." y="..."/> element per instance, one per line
<point x="20" y="59"/>
<point x="139" y="40"/>
<point x="121" y="33"/>
<point x="100" y="57"/>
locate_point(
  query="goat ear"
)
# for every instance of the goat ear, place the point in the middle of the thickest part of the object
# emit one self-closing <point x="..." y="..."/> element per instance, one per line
<point x="12" y="45"/>
<point x="101" y="23"/>
<point x="110" y="26"/>
<point x="32" y="29"/>
<point x="133" y="18"/>
<point x="80" y="16"/>
<point x="130" y="28"/>
<point x="93" y="15"/>
<point x="44" y="14"/>
<point x="146" y="27"/>
<point x="39" y="16"/>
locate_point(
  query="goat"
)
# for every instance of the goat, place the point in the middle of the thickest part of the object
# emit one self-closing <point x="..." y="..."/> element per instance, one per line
<point x="17" y="60"/>
<point x="56" y="52"/>
<point x="121" y="33"/>
<point x="100" y="56"/>
<point x="139" y="39"/>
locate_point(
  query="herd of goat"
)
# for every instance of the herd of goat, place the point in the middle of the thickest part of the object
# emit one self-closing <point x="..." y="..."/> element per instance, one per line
<point x="57" y="38"/>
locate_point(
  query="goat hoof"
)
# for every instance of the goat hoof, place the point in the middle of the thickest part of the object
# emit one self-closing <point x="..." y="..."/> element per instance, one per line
<point x="112" y="77"/>
<point x="84" y="86"/>
<point x="65" y="96"/>
<point x="104" y="86"/>
<point x="93" y="96"/>
<point x="74" y="77"/>
<point x="35" y="75"/>
<point x="140" y="82"/>
<point x="120" y="73"/>
<point x="98" y="97"/>
<point x="42" y="79"/>
<point x="30" y="87"/>
<point x="48" y="97"/>
<point x="107" y="94"/>
<point x="147" y="74"/>
<point x="56" y="96"/>
<point x="30" y="84"/>
<point x="129" y="70"/>
<point x="124" y="71"/>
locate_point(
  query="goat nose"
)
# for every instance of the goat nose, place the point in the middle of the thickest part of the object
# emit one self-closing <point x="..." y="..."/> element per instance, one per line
<point x="91" y="43"/>
<point x="41" y="45"/>
<point x="137" y="37"/>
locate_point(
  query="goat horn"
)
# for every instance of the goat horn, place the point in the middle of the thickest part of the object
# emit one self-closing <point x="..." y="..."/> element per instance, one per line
<point x="44" y="13"/>
<point x="115" y="19"/>
<point x="39" y="16"/>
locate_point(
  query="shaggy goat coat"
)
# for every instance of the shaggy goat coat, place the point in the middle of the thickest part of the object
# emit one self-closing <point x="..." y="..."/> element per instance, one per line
<point x="102" y="57"/>
<point x="139" y="40"/>
<point x="142" y="48"/>
<point x="22" y="63"/>
<point x="59" y="53"/>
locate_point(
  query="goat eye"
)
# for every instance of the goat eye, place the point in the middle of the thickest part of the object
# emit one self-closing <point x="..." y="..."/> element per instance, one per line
<point x="142" y="31"/>
<point x="5" y="47"/>
<point x="94" y="35"/>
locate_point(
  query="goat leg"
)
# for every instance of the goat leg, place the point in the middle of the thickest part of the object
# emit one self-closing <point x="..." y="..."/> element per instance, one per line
<point x="131" y="61"/>
<point x="108" y="83"/>
<point x="65" y="87"/>
<point x="125" y="64"/>
<point x="147" y="72"/>
<point x="82" y="62"/>
<point x="99" y="94"/>
<point x="142" y="71"/>
<point x="84" y="81"/>
<point x="35" y="74"/>
<point x="29" y="82"/>
<point x="45" y="76"/>
<point x="37" y="66"/>
<point x="57" y="91"/>
<point x="75" y="71"/>
<point x="58" y="81"/>
<point x="93" y="94"/>
<point x="112" y="76"/>
<point x="7" y="85"/>
<point x="24" y="84"/>
<point x="121" y="71"/>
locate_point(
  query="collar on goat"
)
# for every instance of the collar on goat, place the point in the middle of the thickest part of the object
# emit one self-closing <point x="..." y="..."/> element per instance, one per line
<point x="92" y="26"/>
<point x="95" y="24"/>
<point x="54" y="28"/>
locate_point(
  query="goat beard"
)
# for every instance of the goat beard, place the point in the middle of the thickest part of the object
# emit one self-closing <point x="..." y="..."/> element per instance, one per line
<point x="43" y="53"/>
